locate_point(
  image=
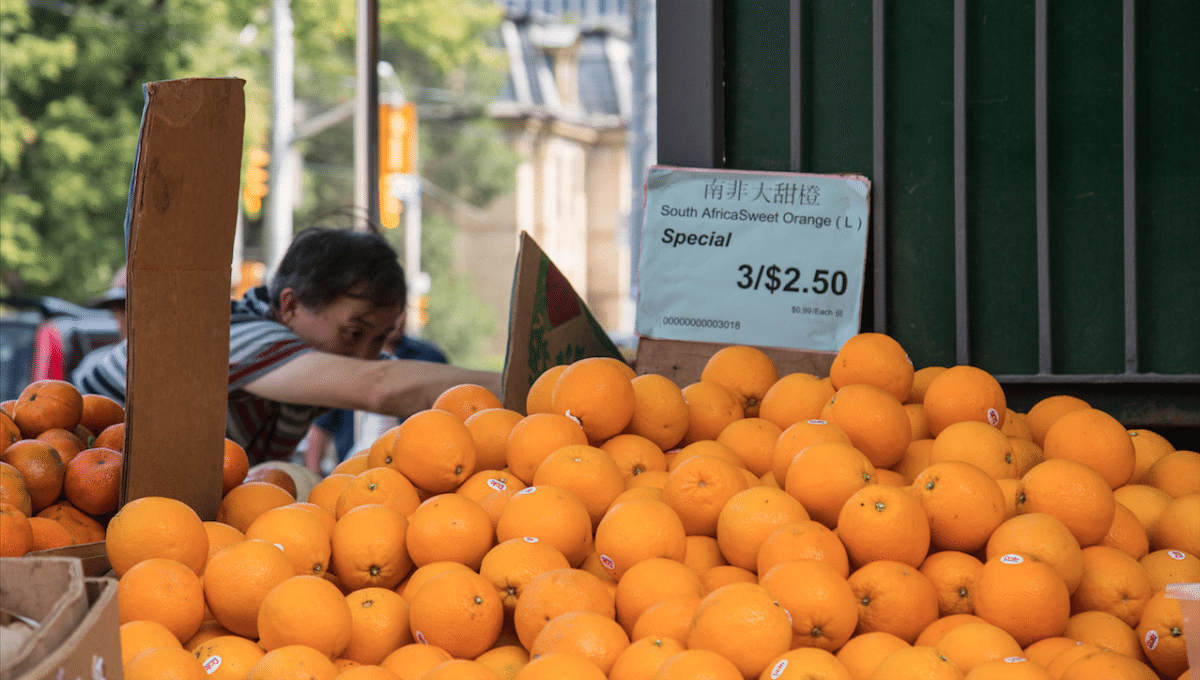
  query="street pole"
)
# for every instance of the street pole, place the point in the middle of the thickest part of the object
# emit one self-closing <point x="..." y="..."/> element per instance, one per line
<point x="366" y="110"/>
<point x="283" y="163"/>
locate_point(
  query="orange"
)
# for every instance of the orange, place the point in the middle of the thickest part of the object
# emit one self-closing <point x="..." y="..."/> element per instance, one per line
<point x="921" y="379"/>
<point x="100" y="411"/>
<point x="1045" y="650"/>
<point x="825" y="475"/>
<point x="325" y="492"/>
<point x="593" y="636"/>
<point x="651" y="478"/>
<point x="803" y="540"/>
<point x="698" y="489"/>
<point x="1161" y="634"/>
<point x="753" y="439"/>
<point x="16" y="533"/>
<point x="1025" y="597"/>
<point x="953" y="575"/>
<point x="806" y="663"/>
<point x="490" y="429"/>
<point x="820" y="603"/>
<point x="1105" y="631"/>
<point x="723" y="575"/>
<point x="46" y="404"/>
<point x="1026" y="454"/>
<point x="1146" y="502"/>
<point x="538" y="400"/>
<point x="703" y="553"/>
<point x="458" y="611"/>
<point x="915" y="458"/>
<point x="1112" y="582"/>
<point x="228" y="657"/>
<point x="1177" y="473"/>
<point x="485" y="482"/>
<point x="973" y="644"/>
<point x="863" y="653"/>
<point x="705" y="447"/>
<point x="1096" y="439"/>
<point x="916" y="420"/>
<point x="977" y="443"/>
<point x="559" y="665"/>
<point x="305" y="610"/>
<point x="535" y="437"/>
<point x="209" y="629"/>
<point x="165" y="591"/>
<point x="635" y="455"/>
<point x="1010" y="488"/>
<point x="237" y="579"/>
<point x="884" y="523"/>
<point x="83" y="528"/>
<point x="409" y="586"/>
<point x="111" y="437"/>
<point x="413" y="661"/>
<point x="143" y="634"/>
<point x="873" y="359"/>
<point x="1126" y="533"/>
<point x="926" y="663"/>
<point x="698" y="664"/>
<point x="504" y="660"/>
<point x="449" y="527"/>
<point x="325" y="517"/>
<point x="660" y="412"/>
<point x="47" y="534"/>
<point x="164" y="663"/>
<point x="1179" y="525"/>
<point x="434" y="450"/>
<point x="156" y="526"/>
<point x="743" y="623"/>
<point x="273" y="475"/>
<point x="1044" y="413"/>
<point x="943" y="625"/>
<point x="1016" y="426"/>
<point x="873" y="419"/>
<point x="293" y="662"/>
<point x="9" y="432"/>
<point x="245" y="502"/>
<point x="301" y="536"/>
<point x="747" y="372"/>
<point x="235" y="466"/>
<point x="1068" y="656"/>
<point x="1074" y="493"/>
<point x="550" y="514"/>
<point x="586" y="471"/>
<point x="597" y="394"/>
<point x="1171" y="566"/>
<point x="380" y="486"/>
<point x="642" y="659"/>
<point x="711" y="408"/>
<point x="1010" y="668"/>
<point x="649" y="582"/>
<point x="13" y="490"/>
<point x="798" y="437"/>
<point x="963" y="504"/>
<point x="594" y="566"/>
<point x="637" y="530"/>
<point x="795" y="398"/>
<point x="670" y="618"/>
<point x="1108" y="665"/>
<point x="962" y="393"/>
<point x="893" y="597"/>
<point x="466" y="400"/>
<point x="41" y="467"/>
<point x="369" y="548"/>
<point x="1148" y="447"/>
<point x="454" y="669"/>
<point x="1044" y="538"/>
<point x="493" y="503"/>
<point x="748" y="517"/>
<point x="66" y="443"/>
<point x="510" y="565"/>
<point x="555" y="592"/>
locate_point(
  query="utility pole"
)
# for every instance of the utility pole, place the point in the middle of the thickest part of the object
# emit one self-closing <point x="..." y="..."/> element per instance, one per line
<point x="283" y="162"/>
<point x="366" y="109"/>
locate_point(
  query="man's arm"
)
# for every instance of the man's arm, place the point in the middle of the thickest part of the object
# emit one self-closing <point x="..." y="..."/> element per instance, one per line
<point x="392" y="387"/>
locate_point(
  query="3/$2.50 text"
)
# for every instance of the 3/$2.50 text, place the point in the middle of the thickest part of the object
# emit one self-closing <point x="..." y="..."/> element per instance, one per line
<point x="773" y="278"/>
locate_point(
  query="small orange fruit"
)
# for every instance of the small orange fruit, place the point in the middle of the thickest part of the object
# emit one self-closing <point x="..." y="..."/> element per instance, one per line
<point x="1043" y="414"/>
<point x="510" y="565"/>
<point x="41" y="467"/>
<point x="555" y="592"/>
<point x="962" y="393"/>
<point x="368" y="548"/>
<point x="466" y="400"/>
<point x="1179" y="525"/>
<point x="1148" y="447"/>
<point x="963" y="503"/>
<point x="273" y="475"/>
<point x="301" y="536"/>
<point x="953" y="575"/>
<point x="748" y="517"/>
<point x="917" y="662"/>
<point x="556" y="665"/>
<point x="100" y="411"/>
<point x="820" y="602"/>
<point x="743" y="623"/>
<point x="538" y="400"/>
<point x="636" y="530"/>
<point x="13" y="490"/>
<point x="449" y="527"/>
<point x="68" y="444"/>
<point x="164" y="663"/>
<point x="490" y="429"/>
<point x="895" y="598"/>
<point x="1096" y="439"/>
<point x="1161" y="634"/>
<point x="873" y="359"/>
<point x="228" y="657"/>
<point x="156" y="526"/>
<point x="235" y="466"/>
<point x="883" y="522"/>
<point x="1177" y="473"/>
<point x="305" y="610"/>
<point x="635" y="454"/>
<point x="143" y="634"/>
<point x="711" y="408"/>
<point x="803" y="540"/>
<point x="753" y="439"/>
<point x="46" y="404"/>
<point x="293" y="662"/>
<point x="92" y="481"/>
<point x="82" y="526"/>
<point x="1044" y="538"/>
<point x="1024" y="597"/>
<point x="977" y="443"/>
<point x="660" y="412"/>
<point x="863" y="653"/>
<point x="795" y="398"/>
<point x="245" y="502"/>
<point x="747" y="372"/>
<point x="593" y="636"/>
<point x="1126" y="533"/>
<point x="379" y="625"/>
<point x="537" y="436"/>
<point x="434" y="450"/>
<point x="649" y="582"/>
<point x="48" y="534"/>
<point x="973" y="644"/>
<point x="698" y="489"/>
<point x="379" y="486"/>
<point x="16" y="534"/>
<point x="550" y="514"/>
<point x="670" y="617"/>
<point x="237" y="579"/>
<point x="642" y="659"/>
<point x="597" y="394"/>
<point x="586" y="471"/>
<point x="875" y="421"/>
<point x="162" y="590"/>
<point x="1170" y="566"/>
<point x="825" y="475"/>
<point x="1074" y="493"/>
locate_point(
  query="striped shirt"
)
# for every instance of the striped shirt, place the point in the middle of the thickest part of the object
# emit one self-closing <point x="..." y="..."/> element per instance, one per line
<point x="258" y="344"/>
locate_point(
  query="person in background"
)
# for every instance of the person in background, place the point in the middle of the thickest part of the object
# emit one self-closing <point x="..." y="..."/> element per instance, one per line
<point x="310" y="341"/>
<point x="339" y="425"/>
<point x="113" y="300"/>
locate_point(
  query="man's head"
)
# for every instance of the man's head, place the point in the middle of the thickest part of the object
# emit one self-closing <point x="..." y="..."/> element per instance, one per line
<point x="339" y="289"/>
<point x="113" y="300"/>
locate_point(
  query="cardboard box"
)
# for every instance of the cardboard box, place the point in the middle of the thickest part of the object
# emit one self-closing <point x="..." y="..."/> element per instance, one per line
<point x="93" y="650"/>
<point x="47" y="590"/>
<point x="683" y="361"/>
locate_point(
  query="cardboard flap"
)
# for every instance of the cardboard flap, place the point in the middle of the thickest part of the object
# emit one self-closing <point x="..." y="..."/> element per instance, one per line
<point x="548" y="324"/>
<point x="182" y="219"/>
<point x="683" y="361"/>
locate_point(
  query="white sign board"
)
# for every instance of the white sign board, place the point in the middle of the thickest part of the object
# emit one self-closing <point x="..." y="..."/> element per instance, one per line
<point x="756" y="258"/>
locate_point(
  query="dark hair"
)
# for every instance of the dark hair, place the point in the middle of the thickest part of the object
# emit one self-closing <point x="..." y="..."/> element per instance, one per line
<point x="323" y="264"/>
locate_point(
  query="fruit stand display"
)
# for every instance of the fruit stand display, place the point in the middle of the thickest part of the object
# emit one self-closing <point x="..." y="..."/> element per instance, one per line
<point x="746" y="525"/>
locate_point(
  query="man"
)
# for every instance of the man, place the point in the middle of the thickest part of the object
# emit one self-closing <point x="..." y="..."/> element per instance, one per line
<point x="311" y="341"/>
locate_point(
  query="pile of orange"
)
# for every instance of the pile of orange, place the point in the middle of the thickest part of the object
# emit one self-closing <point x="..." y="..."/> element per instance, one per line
<point x="880" y="523"/>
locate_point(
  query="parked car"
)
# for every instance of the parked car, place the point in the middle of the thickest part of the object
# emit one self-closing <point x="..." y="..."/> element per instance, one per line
<point x="45" y="338"/>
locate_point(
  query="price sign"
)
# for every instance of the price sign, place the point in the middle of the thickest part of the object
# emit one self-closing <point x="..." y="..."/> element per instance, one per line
<point x="757" y="258"/>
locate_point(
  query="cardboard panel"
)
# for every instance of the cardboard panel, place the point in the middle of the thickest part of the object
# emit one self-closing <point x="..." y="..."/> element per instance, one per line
<point x="548" y="324"/>
<point x="683" y="362"/>
<point x="182" y="218"/>
<point x="48" y="590"/>
<point x="93" y="649"/>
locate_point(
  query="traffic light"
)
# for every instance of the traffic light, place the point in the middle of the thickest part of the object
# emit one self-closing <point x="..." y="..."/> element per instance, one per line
<point x="256" y="180"/>
<point x="390" y="207"/>
<point x="397" y="139"/>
